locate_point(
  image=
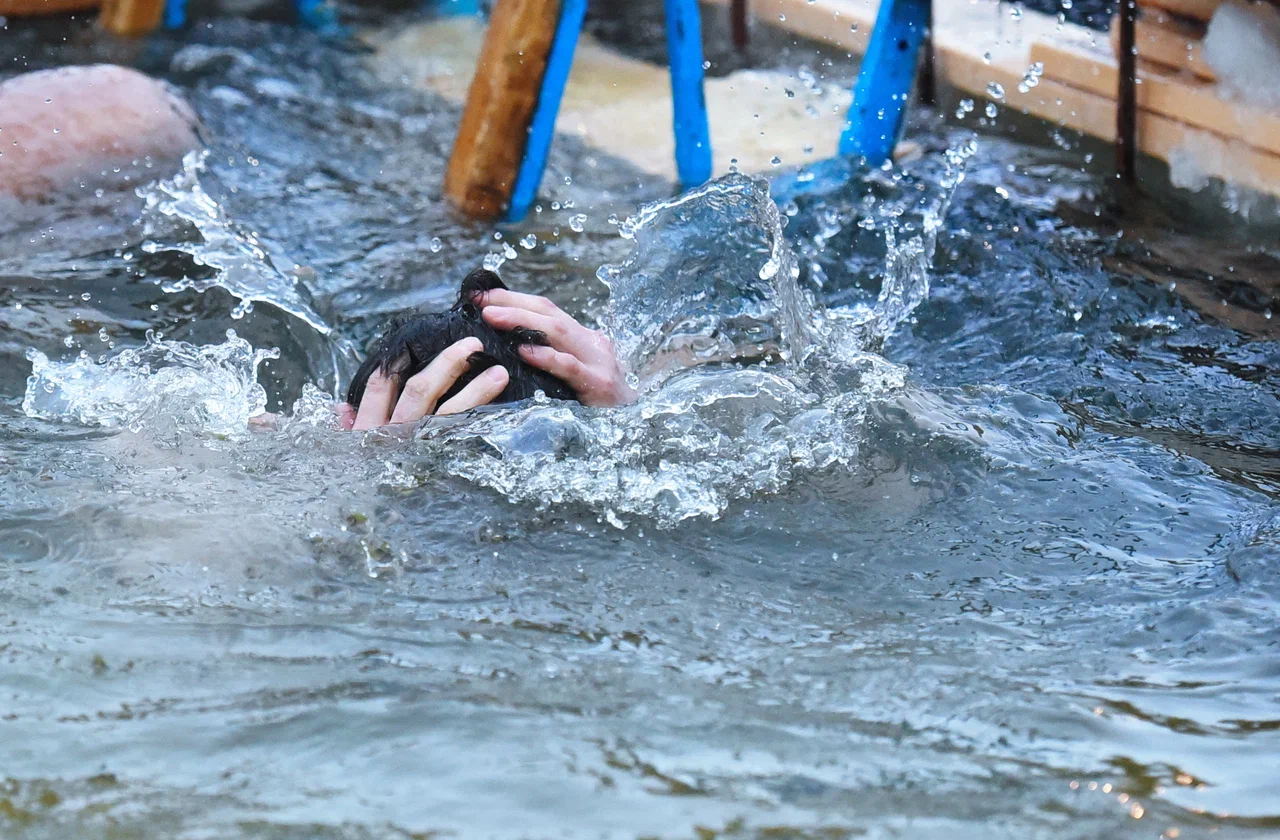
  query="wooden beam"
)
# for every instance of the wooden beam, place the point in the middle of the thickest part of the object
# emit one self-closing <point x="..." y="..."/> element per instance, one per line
<point x="1169" y="41"/>
<point x="1201" y="10"/>
<point x="500" y="105"/>
<point x="1175" y="95"/>
<point x="130" y="17"/>
<point x="1091" y="113"/>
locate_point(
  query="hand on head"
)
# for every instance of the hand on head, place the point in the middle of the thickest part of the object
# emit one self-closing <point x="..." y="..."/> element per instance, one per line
<point x="388" y="401"/>
<point x="583" y="358"/>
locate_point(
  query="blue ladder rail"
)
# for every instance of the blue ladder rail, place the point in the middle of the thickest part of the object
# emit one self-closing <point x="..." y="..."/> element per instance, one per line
<point x="689" y="104"/>
<point x="885" y="80"/>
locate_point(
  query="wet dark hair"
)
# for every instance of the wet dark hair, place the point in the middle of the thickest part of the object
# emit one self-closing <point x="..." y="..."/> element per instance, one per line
<point x="410" y="343"/>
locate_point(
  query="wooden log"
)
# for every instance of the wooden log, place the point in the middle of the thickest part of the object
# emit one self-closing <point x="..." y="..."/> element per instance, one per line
<point x="1175" y="95"/>
<point x="1167" y="40"/>
<point x="130" y="17"/>
<point x="500" y="104"/>
<point x="22" y="8"/>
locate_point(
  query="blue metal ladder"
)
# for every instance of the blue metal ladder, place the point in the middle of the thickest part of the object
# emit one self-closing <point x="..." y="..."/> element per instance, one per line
<point x="872" y="128"/>
<point x="692" y="133"/>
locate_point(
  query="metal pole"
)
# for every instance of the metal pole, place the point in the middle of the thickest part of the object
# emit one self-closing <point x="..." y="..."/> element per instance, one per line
<point x="738" y="20"/>
<point x="885" y="80"/>
<point x="1127" y="95"/>
<point x="542" y="128"/>
<point x="684" y="49"/>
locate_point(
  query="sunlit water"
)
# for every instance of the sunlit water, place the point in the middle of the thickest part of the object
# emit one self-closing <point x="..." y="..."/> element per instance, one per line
<point x="942" y="514"/>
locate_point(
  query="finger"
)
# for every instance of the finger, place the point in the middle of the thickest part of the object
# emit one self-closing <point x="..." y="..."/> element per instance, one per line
<point x="563" y="333"/>
<point x="423" y="390"/>
<point x="264" y="422"/>
<point x="563" y="366"/>
<point x="482" y="390"/>
<point x="375" y="405"/>
<point x="346" y="415"/>
<point x="517" y="300"/>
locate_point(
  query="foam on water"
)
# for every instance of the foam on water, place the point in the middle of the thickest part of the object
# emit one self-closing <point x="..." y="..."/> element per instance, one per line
<point x="169" y="388"/>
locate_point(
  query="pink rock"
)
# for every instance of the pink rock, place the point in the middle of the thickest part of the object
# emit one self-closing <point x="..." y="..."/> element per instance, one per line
<point x="70" y="129"/>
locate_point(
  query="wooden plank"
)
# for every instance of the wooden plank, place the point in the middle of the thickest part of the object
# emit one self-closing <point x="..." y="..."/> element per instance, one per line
<point x="836" y="22"/>
<point x="1169" y="41"/>
<point x="1091" y="113"/>
<point x="21" y="8"/>
<point x="130" y="17"/>
<point x="1179" y="96"/>
<point x="1201" y="10"/>
<point x="500" y="105"/>
<point x="978" y="44"/>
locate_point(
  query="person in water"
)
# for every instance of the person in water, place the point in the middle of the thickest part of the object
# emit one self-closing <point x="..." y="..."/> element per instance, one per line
<point x="526" y="334"/>
<point x="75" y="128"/>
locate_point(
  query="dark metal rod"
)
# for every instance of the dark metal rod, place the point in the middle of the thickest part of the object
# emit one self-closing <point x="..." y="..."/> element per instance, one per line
<point x="738" y="19"/>
<point x="1127" y="95"/>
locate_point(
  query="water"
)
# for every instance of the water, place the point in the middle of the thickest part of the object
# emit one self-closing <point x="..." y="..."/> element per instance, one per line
<point x="998" y="561"/>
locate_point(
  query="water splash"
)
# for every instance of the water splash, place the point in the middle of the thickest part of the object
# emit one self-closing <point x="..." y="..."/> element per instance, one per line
<point x="707" y="438"/>
<point x="166" y="387"/>
<point x="746" y="385"/>
<point x="710" y="278"/>
<point x="240" y="264"/>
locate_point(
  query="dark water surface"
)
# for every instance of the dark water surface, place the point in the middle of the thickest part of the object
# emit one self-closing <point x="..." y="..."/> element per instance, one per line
<point x="1017" y="578"/>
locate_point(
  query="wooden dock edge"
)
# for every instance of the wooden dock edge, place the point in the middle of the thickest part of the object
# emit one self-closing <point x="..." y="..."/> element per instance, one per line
<point x="973" y="49"/>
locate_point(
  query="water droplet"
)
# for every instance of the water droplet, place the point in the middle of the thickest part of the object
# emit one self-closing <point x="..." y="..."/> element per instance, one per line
<point x="1032" y="77"/>
<point x="992" y="110"/>
<point x="995" y="90"/>
<point x="577" y="222"/>
<point x="791" y="94"/>
<point x="775" y="160"/>
<point x="509" y="252"/>
<point x="436" y="245"/>
<point x="986" y="58"/>
<point x="529" y="242"/>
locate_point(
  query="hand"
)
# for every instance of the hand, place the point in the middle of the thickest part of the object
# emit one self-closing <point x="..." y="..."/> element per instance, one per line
<point x="385" y="402"/>
<point x="584" y="359"/>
